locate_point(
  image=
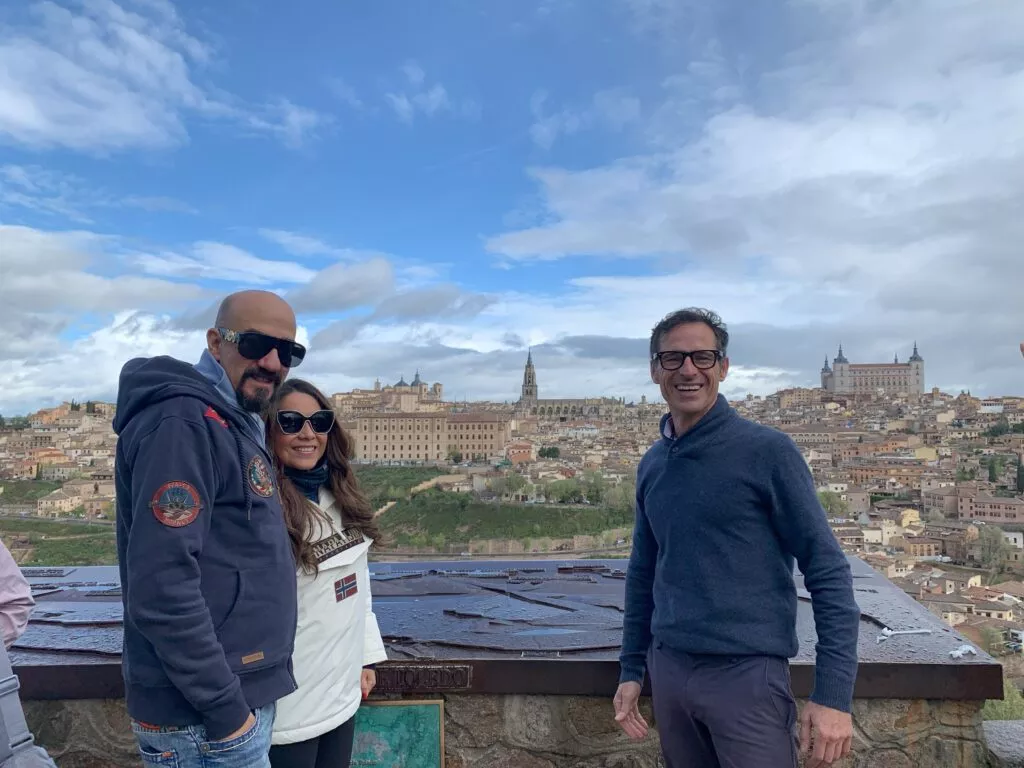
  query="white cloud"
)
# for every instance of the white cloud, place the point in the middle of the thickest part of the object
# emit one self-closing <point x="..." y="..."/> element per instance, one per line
<point x="221" y="261"/>
<point x="883" y="152"/>
<point x="402" y="105"/>
<point x="295" y="125"/>
<point x="299" y="244"/>
<point x="59" y="194"/>
<point x="428" y="99"/>
<point x="49" y="281"/>
<point x="103" y="78"/>
<point x="345" y="93"/>
<point x="611" y="109"/>
<point x="344" y="286"/>
<point x="414" y="72"/>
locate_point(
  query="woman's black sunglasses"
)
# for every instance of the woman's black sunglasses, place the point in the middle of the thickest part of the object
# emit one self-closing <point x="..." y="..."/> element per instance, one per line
<point x="292" y="422"/>
<point x="253" y="345"/>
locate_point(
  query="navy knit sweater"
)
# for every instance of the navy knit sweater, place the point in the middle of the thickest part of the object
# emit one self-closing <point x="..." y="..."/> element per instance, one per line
<point x="722" y="512"/>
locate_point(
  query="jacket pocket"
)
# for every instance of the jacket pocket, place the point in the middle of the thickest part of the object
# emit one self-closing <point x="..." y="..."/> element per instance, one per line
<point x="258" y="631"/>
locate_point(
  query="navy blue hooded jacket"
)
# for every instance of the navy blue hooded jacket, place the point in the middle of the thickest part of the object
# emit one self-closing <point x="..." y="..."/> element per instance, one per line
<point x="207" y="571"/>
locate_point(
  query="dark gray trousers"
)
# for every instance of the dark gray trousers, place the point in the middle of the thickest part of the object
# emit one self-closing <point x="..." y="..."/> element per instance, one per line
<point x="723" y="711"/>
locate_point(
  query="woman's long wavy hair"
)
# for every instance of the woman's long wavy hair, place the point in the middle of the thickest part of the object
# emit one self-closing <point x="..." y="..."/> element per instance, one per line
<point x="299" y="512"/>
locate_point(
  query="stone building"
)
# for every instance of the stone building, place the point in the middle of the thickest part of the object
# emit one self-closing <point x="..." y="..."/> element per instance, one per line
<point x="403" y="396"/>
<point x="895" y="378"/>
<point x="430" y="436"/>
<point x="549" y="409"/>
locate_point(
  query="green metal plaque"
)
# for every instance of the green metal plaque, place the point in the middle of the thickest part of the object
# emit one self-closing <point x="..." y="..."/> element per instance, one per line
<point x="399" y="734"/>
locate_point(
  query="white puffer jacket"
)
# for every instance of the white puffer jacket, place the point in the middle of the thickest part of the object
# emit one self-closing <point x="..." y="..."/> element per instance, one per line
<point x="337" y="635"/>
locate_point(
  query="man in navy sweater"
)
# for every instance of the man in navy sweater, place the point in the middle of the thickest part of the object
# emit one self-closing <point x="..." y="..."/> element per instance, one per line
<point x="724" y="507"/>
<point x="207" y="572"/>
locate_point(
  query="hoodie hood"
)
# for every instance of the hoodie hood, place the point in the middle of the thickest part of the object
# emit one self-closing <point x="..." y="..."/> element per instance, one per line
<point x="146" y="381"/>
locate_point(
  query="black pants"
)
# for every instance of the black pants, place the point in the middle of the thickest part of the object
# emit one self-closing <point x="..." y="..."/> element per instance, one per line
<point x="332" y="750"/>
<point x="723" y="711"/>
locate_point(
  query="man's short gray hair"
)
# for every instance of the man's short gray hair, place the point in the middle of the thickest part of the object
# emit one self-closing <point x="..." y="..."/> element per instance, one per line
<point x="690" y="315"/>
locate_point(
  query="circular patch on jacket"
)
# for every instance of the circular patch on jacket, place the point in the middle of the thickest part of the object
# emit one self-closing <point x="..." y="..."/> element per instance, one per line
<point x="260" y="479"/>
<point x="176" y="503"/>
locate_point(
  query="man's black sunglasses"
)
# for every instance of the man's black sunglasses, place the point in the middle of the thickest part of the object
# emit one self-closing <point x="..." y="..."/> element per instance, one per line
<point x="702" y="359"/>
<point x="253" y="345"/>
<point x="292" y="422"/>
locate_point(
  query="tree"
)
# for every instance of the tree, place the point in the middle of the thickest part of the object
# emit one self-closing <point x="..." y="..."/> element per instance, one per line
<point x="594" y="487"/>
<point x="2" y="422"/>
<point x="515" y="483"/>
<point x="991" y="640"/>
<point x="454" y="456"/>
<point x="992" y="547"/>
<point x="936" y="516"/>
<point x="1000" y="428"/>
<point x="565" y="491"/>
<point x="834" y="504"/>
<point x="622" y="497"/>
<point x="993" y="472"/>
<point x="1020" y="476"/>
<point x="549" y="452"/>
<point x="1011" y="707"/>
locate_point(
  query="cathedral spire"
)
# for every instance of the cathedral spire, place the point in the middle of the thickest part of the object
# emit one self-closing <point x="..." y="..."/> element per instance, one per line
<point x="529" y="392"/>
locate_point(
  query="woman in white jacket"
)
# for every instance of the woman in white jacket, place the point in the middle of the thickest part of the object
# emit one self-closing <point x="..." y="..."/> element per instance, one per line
<point x="337" y="640"/>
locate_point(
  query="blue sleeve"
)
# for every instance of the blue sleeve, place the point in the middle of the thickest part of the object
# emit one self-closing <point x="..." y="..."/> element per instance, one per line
<point x="173" y="486"/>
<point x="803" y="527"/>
<point x="639" y="604"/>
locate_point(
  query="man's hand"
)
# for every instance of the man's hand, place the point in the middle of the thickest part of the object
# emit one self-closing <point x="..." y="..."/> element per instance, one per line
<point x="367" y="681"/>
<point x="832" y="734"/>
<point x="627" y="710"/>
<point x="250" y="721"/>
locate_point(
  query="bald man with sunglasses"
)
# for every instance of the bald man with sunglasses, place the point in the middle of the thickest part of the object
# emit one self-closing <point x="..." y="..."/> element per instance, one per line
<point x="207" y="571"/>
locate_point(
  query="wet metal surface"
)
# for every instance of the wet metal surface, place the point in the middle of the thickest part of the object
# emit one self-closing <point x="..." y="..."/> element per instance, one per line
<point x="496" y="614"/>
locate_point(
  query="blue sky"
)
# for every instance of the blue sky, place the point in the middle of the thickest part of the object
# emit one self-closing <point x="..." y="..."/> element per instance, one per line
<point x="440" y="185"/>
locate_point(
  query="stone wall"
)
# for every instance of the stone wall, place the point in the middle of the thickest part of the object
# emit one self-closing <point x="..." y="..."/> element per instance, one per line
<point x="483" y="731"/>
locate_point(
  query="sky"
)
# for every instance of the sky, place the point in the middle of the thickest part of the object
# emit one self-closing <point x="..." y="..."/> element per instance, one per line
<point x="440" y="186"/>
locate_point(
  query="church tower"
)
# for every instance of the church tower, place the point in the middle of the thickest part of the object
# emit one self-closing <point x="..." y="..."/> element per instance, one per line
<point x="917" y="371"/>
<point x="529" y="381"/>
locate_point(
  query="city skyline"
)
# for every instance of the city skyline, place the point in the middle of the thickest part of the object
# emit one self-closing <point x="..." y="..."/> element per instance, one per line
<point x="531" y="392"/>
<point x="451" y="187"/>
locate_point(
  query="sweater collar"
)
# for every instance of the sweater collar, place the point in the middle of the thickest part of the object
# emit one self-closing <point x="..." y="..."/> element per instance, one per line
<point x="714" y="418"/>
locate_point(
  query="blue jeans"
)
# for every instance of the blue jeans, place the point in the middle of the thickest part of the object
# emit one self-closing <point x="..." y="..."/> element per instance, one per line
<point x="187" y="747"/>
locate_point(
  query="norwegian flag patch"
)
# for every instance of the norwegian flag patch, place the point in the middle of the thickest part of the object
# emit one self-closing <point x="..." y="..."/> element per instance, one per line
<point x="345" y="588"/>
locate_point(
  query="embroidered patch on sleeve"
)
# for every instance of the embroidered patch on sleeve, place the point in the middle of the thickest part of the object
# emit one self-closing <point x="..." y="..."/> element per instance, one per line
<point x="176" y="503"/>
<point x="337" y="543"/>
<point x="345" y="588"/>
<point x="259" y="477"/>
<point x="212" y="414"/>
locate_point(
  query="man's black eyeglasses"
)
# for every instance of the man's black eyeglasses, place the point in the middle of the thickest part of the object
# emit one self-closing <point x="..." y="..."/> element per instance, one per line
<point x="292" y="422"/>
<point x="253" y="345"/>
<point x="702" y="359"/>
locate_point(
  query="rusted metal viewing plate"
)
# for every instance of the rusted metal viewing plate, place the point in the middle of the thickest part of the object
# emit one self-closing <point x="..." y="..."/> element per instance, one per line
<point x="501" y="627"/>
